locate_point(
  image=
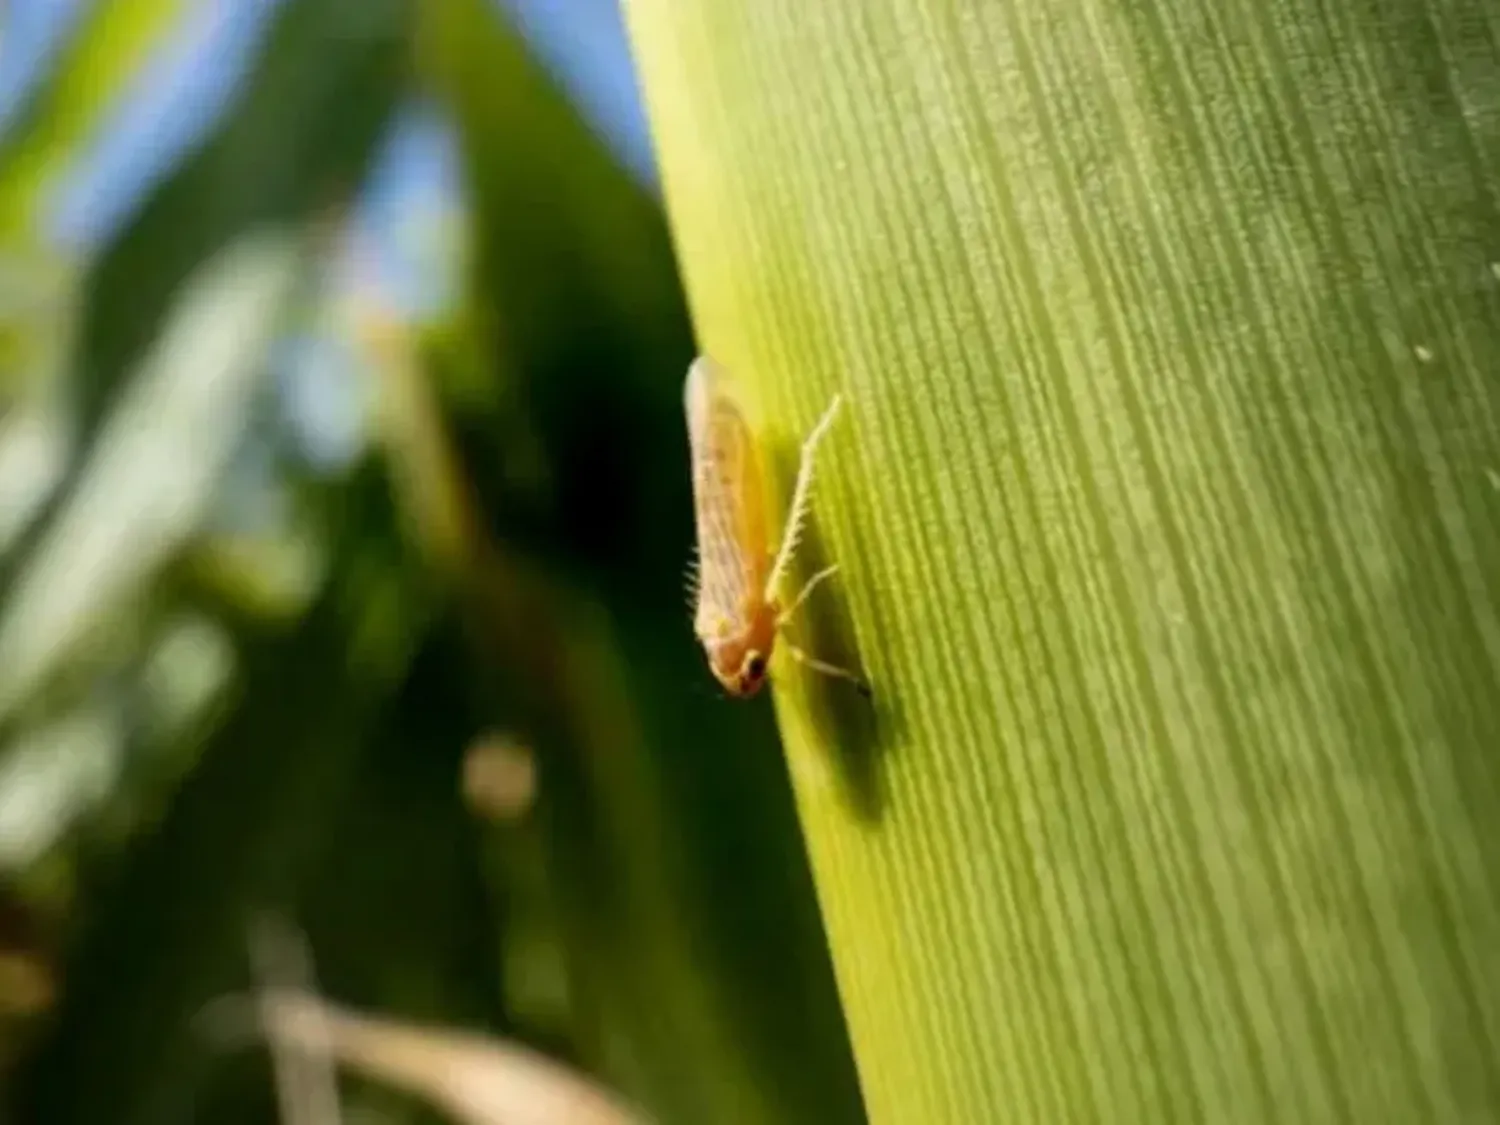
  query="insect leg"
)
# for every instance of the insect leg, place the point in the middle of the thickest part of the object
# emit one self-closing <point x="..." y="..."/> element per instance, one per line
<point x="828" y="669"/>
<point x="797" y="513"/>
<point x="786" y="615"/>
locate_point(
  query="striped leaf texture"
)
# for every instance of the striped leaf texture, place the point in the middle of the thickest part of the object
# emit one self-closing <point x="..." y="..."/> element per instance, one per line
<point x="1167" y="502"/>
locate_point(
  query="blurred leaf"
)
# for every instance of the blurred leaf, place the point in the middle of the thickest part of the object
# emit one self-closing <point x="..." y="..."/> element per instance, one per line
<point x="164" y="924"/>
<point x="433" y="489"/>
<point x="53" y="776"/>
<point x="393" y="901"/>
<point x="186" y="667"/>
<point x="1169" y="336"/>
<point x="566" y="239"/>
<point x="476" y="1079"/>
<point x="679" y="1026"/>
<point x="154" y="468"/>
<point x="270" y="576"/>
<point x="38" y="310"/>
<point x="34" y="452"/>
<point x="577" y="310"/>
<point x="104" y="53"/>
<point x="296" y="143"/>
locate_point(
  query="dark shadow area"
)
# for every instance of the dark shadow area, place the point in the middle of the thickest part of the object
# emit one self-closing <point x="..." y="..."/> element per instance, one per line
<point x="857" y="727"/>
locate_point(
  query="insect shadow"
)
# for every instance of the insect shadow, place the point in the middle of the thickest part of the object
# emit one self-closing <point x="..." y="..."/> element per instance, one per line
<point x="858" y="728"/>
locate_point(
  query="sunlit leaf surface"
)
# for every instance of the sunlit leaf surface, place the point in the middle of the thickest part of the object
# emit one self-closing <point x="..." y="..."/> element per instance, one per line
<point x="1169" y="332"/>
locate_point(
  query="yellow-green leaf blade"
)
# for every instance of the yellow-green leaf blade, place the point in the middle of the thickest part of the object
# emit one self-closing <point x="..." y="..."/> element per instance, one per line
<point x="1167" y="524"/>
<point x="103" y="55"/>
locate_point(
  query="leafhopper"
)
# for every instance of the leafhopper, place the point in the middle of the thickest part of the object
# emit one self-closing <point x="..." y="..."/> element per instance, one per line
<point x="739" y="612"/>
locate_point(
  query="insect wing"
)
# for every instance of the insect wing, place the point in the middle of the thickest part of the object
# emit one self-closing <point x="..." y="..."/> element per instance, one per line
<point x="728" y="503"/>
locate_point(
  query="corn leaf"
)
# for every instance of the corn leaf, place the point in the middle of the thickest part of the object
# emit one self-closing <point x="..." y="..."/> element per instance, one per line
<point x="1167" y="497"/>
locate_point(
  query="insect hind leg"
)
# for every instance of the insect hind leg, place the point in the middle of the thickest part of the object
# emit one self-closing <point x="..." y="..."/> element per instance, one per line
<point x="809" y="661"/>
<point x="786" y="615"/>
<point x="797" y="512"/>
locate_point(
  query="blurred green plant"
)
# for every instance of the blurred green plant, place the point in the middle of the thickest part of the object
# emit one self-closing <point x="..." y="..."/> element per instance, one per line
<point x="1168" y="526"/>
<point x="103" y="56"/>
<point x="277" y="711"/>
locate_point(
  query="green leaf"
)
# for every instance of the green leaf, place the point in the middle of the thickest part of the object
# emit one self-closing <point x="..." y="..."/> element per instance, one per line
<point x="166" y="925"/>
<point x="295" y="144"/>
<point x="33" y="458"/>
<point x="1164" y="501"/>
<point x="562" y="234"/>
<point x="53" y="776"/>
<point x="102" y="56"/>
<point x="157" y="462"/>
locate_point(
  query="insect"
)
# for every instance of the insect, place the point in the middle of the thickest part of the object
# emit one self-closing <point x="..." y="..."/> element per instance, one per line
<point x="739" y="612"/>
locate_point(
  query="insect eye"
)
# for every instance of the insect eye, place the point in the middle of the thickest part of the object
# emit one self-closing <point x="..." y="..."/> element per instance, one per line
<point x="755" y="667"/>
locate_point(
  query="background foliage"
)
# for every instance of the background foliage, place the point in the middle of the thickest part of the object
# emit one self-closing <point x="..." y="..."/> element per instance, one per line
<point x="1167" y="501"/>
<point x="318" y="497"/>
